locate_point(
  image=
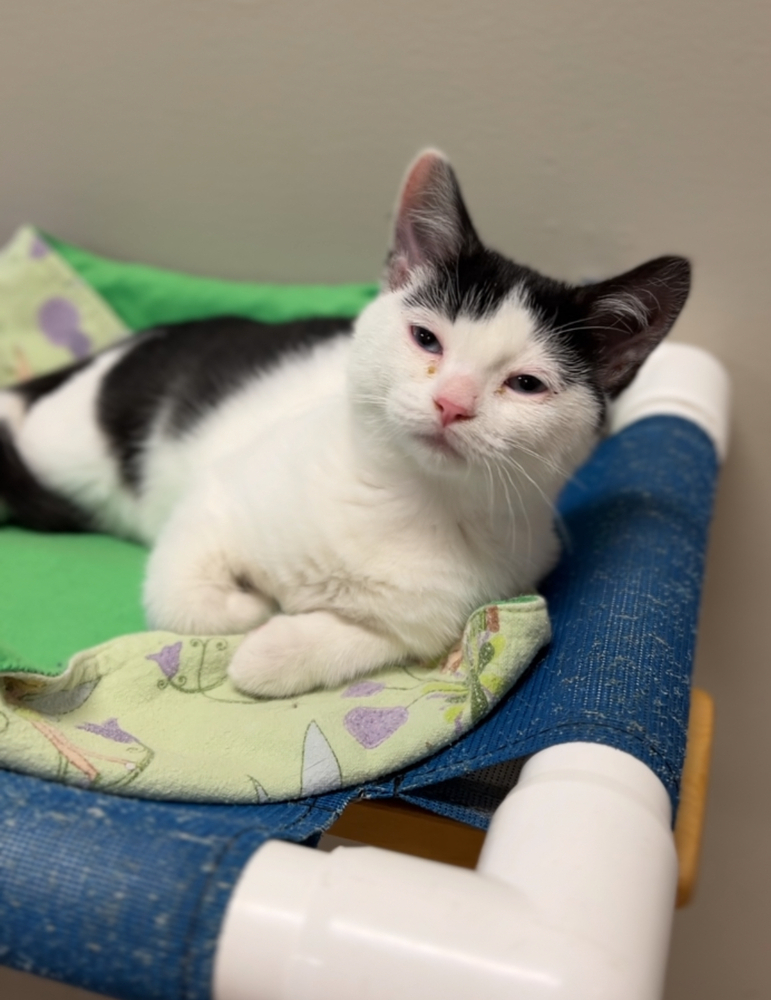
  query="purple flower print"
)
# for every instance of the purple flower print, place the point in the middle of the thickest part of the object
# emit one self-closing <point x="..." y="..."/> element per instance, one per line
<point x="59" y="320"/>
<point x="167" y="659"/>
<point x="373" y="726"/>
<point x="38" y="248"/>
<point x="110" y="730"/>
<point x="363" y="689"/>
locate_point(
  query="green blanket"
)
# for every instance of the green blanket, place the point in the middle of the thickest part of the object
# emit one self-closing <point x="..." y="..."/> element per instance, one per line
<point x="153" y="714"/>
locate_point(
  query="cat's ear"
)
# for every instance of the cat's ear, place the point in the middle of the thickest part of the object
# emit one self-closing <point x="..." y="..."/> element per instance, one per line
<point x="632" y="313"/>
<point x="433" y="226"/>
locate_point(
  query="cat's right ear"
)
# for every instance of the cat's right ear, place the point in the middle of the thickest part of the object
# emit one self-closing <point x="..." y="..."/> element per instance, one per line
<point x="433" y="227"/>
<point x="629" y="315"/>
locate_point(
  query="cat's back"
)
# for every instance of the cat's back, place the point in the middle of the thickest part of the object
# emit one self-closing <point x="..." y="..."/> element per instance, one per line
<point x="152" y="412"/>
<point x="177" y="377"/>
<point x="219" y="388"/>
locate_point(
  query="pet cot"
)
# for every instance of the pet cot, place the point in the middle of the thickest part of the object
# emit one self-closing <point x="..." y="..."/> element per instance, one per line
<point x="574" y="890"/>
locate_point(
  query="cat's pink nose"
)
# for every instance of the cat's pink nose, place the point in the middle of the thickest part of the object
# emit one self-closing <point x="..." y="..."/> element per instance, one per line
<point x="451" y="409"/>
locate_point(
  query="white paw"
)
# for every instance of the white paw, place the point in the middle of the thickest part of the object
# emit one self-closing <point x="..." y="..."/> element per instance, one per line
<point x="275" y="661"/>
<point x="243" y="611"/>
<point x="292" y="654"/>
<point x="209" y="611"/>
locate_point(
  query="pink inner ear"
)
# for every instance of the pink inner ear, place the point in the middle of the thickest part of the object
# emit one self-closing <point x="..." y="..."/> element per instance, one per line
<point x="419" y="179"/>
<point x="432" y="225"/>
<point x="416" y="198"/>
<point x="399" y="272"/>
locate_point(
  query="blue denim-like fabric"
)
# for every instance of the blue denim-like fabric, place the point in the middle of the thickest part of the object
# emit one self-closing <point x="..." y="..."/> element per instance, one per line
<point x="624" y="604"/>
<point x="126" y="897"/>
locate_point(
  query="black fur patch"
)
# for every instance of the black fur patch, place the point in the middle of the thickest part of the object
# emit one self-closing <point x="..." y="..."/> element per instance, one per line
<point x="32" y="505"/>
<point x="185" y="370"/>
<point x="35" y="388"/>
<point x="475" y="285"/>
<point x="563" y="322"/>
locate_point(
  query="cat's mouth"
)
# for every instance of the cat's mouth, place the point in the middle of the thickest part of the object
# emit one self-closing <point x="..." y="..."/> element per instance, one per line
<point x="438" y="444"/>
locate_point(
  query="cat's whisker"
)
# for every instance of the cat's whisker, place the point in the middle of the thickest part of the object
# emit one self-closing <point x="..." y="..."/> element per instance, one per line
<point x="559" y="520"/>
<point x="511" y="520"/>
<point x="548" y="462"/>
<point x="492" y="488"/>
<point x="518" y="468"/>
<point x="503" y="471"/>
<point x="581" y="326"/>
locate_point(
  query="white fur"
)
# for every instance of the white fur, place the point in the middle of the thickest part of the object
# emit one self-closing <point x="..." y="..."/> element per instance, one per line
<point x="60" y="441"/>
<point x="312" y="509"/>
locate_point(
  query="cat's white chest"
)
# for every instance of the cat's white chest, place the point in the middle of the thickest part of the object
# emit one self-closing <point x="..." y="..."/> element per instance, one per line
<point x="312" y="527"/>
<point x="305" y="515"/>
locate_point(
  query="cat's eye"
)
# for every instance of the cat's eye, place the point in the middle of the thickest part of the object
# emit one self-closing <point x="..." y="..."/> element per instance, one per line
<point x="528" y="385"/>
<point x="425" y="339"/>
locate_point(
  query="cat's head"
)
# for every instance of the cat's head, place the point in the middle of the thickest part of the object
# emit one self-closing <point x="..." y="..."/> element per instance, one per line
<point x="467" y="357"/>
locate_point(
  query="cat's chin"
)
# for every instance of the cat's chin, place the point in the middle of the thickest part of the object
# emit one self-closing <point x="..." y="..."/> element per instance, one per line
<point x="438" y="450"/>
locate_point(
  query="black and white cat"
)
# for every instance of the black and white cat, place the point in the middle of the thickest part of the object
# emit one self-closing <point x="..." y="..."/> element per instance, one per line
<point x="344" y="497"/>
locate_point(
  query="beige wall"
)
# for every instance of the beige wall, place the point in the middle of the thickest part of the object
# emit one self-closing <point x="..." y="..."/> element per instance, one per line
<point x="265" y="139"/>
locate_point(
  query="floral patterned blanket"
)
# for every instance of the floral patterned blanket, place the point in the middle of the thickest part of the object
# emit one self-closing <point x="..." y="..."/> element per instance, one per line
<point x="154" y="715"/>
<point x="49" y="316"/>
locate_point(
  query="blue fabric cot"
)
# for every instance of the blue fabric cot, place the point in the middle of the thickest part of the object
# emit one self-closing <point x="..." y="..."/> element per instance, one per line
<point x="127" y="897"/>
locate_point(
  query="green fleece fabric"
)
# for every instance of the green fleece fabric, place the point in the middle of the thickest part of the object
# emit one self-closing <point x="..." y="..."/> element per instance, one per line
<point x="88" y="698"/>
<point x="145" y="296"/>
<point x="63" y="593"/>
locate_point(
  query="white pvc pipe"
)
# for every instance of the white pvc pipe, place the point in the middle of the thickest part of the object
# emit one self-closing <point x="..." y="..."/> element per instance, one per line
<point x="572" y="901"/>
<point x="587" y="833"/>
<point x="683" y="381"/>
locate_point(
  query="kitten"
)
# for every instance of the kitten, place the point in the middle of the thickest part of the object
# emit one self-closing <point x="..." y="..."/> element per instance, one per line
<point x="344" y="497"/>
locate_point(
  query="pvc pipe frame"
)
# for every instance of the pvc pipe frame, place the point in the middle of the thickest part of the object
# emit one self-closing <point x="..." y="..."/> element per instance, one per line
<point x="679" y="380"/>
<point x="572" y="899"/>
<point x="575" y="888"/>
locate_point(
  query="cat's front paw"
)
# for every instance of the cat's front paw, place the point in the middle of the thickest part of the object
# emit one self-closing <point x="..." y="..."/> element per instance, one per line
<point x="292" y="654"/>
<point x="206" y="610"/>
<point x="275" y="660"/>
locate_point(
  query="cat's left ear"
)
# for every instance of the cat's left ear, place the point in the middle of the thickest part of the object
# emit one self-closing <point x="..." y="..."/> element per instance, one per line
<point x="433" y="227"/>
<point x="631" y="314"/>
